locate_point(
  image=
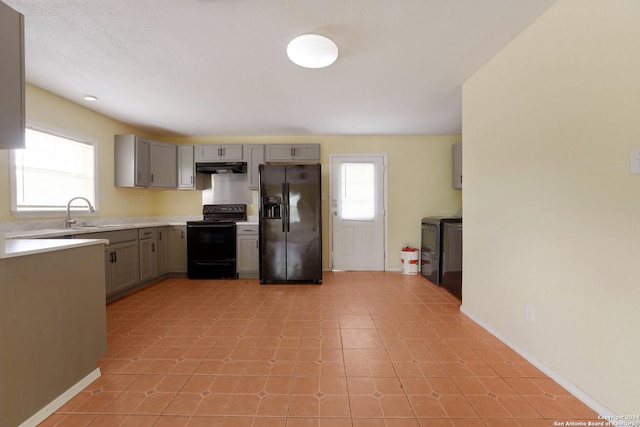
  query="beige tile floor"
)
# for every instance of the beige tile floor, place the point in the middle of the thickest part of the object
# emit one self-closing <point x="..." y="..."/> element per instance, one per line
<point x="363" y="349"/>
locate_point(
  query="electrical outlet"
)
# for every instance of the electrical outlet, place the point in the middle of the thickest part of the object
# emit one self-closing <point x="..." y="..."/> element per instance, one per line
<point x="634" y="161"/>
<point x="530" y="313"/>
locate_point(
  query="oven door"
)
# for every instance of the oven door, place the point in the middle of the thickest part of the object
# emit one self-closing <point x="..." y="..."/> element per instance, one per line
<point x="211" y="250"/>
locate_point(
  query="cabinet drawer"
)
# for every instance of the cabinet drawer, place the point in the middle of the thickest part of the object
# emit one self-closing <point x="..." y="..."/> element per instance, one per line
<point x="246" y="229"/>
<point x="146" y="233"/>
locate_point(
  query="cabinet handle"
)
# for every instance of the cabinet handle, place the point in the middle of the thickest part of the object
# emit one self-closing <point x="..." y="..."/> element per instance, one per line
<point x="192" y="179"/>
<point x="182" y="234"/>
<point x="151" y="177"/>
<point x="153" y="247"/>
<point x="293" y="151"/>
<point x="160" y="235"/>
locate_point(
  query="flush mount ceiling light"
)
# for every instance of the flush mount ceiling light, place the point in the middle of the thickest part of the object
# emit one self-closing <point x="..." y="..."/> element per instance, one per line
<point x="312" y="51"/>
<point x="90" y="98"/>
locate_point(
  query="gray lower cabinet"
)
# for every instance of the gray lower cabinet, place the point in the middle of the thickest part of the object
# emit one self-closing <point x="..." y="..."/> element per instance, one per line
<point x="147" y="242"/>
<point x="121" y="260"/>
<point x="163" y="248"/>
<point x="172" y="249"/>
<point x="247" y="251"/>
<point x="138" y="256"/>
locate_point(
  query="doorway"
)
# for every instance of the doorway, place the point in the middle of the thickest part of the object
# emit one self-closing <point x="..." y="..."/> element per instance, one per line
<point x="358" y="223"/>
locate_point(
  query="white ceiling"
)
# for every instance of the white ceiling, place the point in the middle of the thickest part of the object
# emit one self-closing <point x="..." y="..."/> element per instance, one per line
<point x="219" y="67"/>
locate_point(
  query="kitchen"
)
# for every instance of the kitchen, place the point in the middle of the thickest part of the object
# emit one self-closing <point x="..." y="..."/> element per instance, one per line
<point x="414" y="160"/>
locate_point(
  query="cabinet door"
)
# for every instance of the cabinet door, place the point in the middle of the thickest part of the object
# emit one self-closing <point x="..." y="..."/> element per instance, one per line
<point x="306" y="152"/>
<point x="247" y="254"/>
<point x="124" y="265"/>
<point x="231" y="152"/>
<point x="207" y="153"/>
<point x="163" y="247"/>
<point x="186" y="167"/>
<point x="255" y="158"/>
<point x="12" y="104"/>
<point x="284" y="152"/>
<point x="148" y="259"/>
<point x="275" y="152"/>
<point x="177" y="249"/>
<point x="163" y="165"/>
<point x="141" y="163"/>
<point x="456" y="158"/>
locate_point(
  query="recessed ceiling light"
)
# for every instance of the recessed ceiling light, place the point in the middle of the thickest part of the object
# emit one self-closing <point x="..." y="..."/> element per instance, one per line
<point x="312" y="51"/>
<point x="90" y="98"/>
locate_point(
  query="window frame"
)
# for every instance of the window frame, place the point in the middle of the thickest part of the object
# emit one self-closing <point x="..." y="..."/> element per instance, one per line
<point x="51" y="212"/>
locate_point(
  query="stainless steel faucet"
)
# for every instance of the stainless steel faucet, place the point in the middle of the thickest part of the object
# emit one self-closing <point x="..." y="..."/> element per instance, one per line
<point x="68" y="221"/>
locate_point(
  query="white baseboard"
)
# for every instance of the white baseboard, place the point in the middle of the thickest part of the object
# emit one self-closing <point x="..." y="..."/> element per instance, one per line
<point x="584" y="397"/>
<point x="57" y="403"/>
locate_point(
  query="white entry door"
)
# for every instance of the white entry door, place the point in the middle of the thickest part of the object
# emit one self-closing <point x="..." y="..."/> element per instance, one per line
<point x="358" y="212"/>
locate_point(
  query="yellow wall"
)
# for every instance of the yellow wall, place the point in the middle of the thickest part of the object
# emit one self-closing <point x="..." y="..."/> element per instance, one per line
<point x="419" y="171"/>
<point x="551" y="210"/>
<point x="419" y="180"/>
<point x="51" y="110"/>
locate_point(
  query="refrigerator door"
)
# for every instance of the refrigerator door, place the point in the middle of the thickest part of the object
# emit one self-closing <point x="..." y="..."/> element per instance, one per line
<point x="273" y="248"/>
<point x="303" y="212"/>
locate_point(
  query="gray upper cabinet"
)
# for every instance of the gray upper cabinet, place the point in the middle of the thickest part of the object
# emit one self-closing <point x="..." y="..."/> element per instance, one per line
<point x="456" y="158"/>
<point x="186" y="167"/>
<point x="163" y="165"/>
<point x="254" y="157"/>
<point x="12" y="110"/>
<point x="143" y="163"/>
<point x="292" y="152"/>
<point x="131" y="157"/>
<point x="218" y="153"/>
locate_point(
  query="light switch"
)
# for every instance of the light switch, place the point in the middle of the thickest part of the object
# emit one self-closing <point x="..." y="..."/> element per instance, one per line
<point x="634" y="163"/>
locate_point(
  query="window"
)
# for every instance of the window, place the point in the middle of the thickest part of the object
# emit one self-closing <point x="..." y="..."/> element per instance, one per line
<point x="358" y="191"/>
<point x="54" y="167"/>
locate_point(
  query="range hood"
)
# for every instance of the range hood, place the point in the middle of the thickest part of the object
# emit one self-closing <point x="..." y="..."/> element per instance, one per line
<point x="221" y="167"/>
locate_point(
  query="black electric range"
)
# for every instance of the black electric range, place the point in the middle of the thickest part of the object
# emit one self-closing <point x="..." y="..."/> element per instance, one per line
<point x="211" y="242"/>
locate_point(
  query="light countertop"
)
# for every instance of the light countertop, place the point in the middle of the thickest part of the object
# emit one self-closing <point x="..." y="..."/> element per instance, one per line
<point x="73" y="231"/>
<point x="12" y="248"/>
<point x="28" y="242"/>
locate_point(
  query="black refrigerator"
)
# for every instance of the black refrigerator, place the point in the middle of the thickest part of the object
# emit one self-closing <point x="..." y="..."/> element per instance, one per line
<point x="290" y="224"/>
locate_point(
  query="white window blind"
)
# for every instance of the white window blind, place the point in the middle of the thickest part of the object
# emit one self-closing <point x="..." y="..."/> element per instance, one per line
<point x="51" y="170"/>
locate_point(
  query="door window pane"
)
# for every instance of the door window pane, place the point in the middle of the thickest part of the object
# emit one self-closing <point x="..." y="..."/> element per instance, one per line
<point x="357" y="199"/>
